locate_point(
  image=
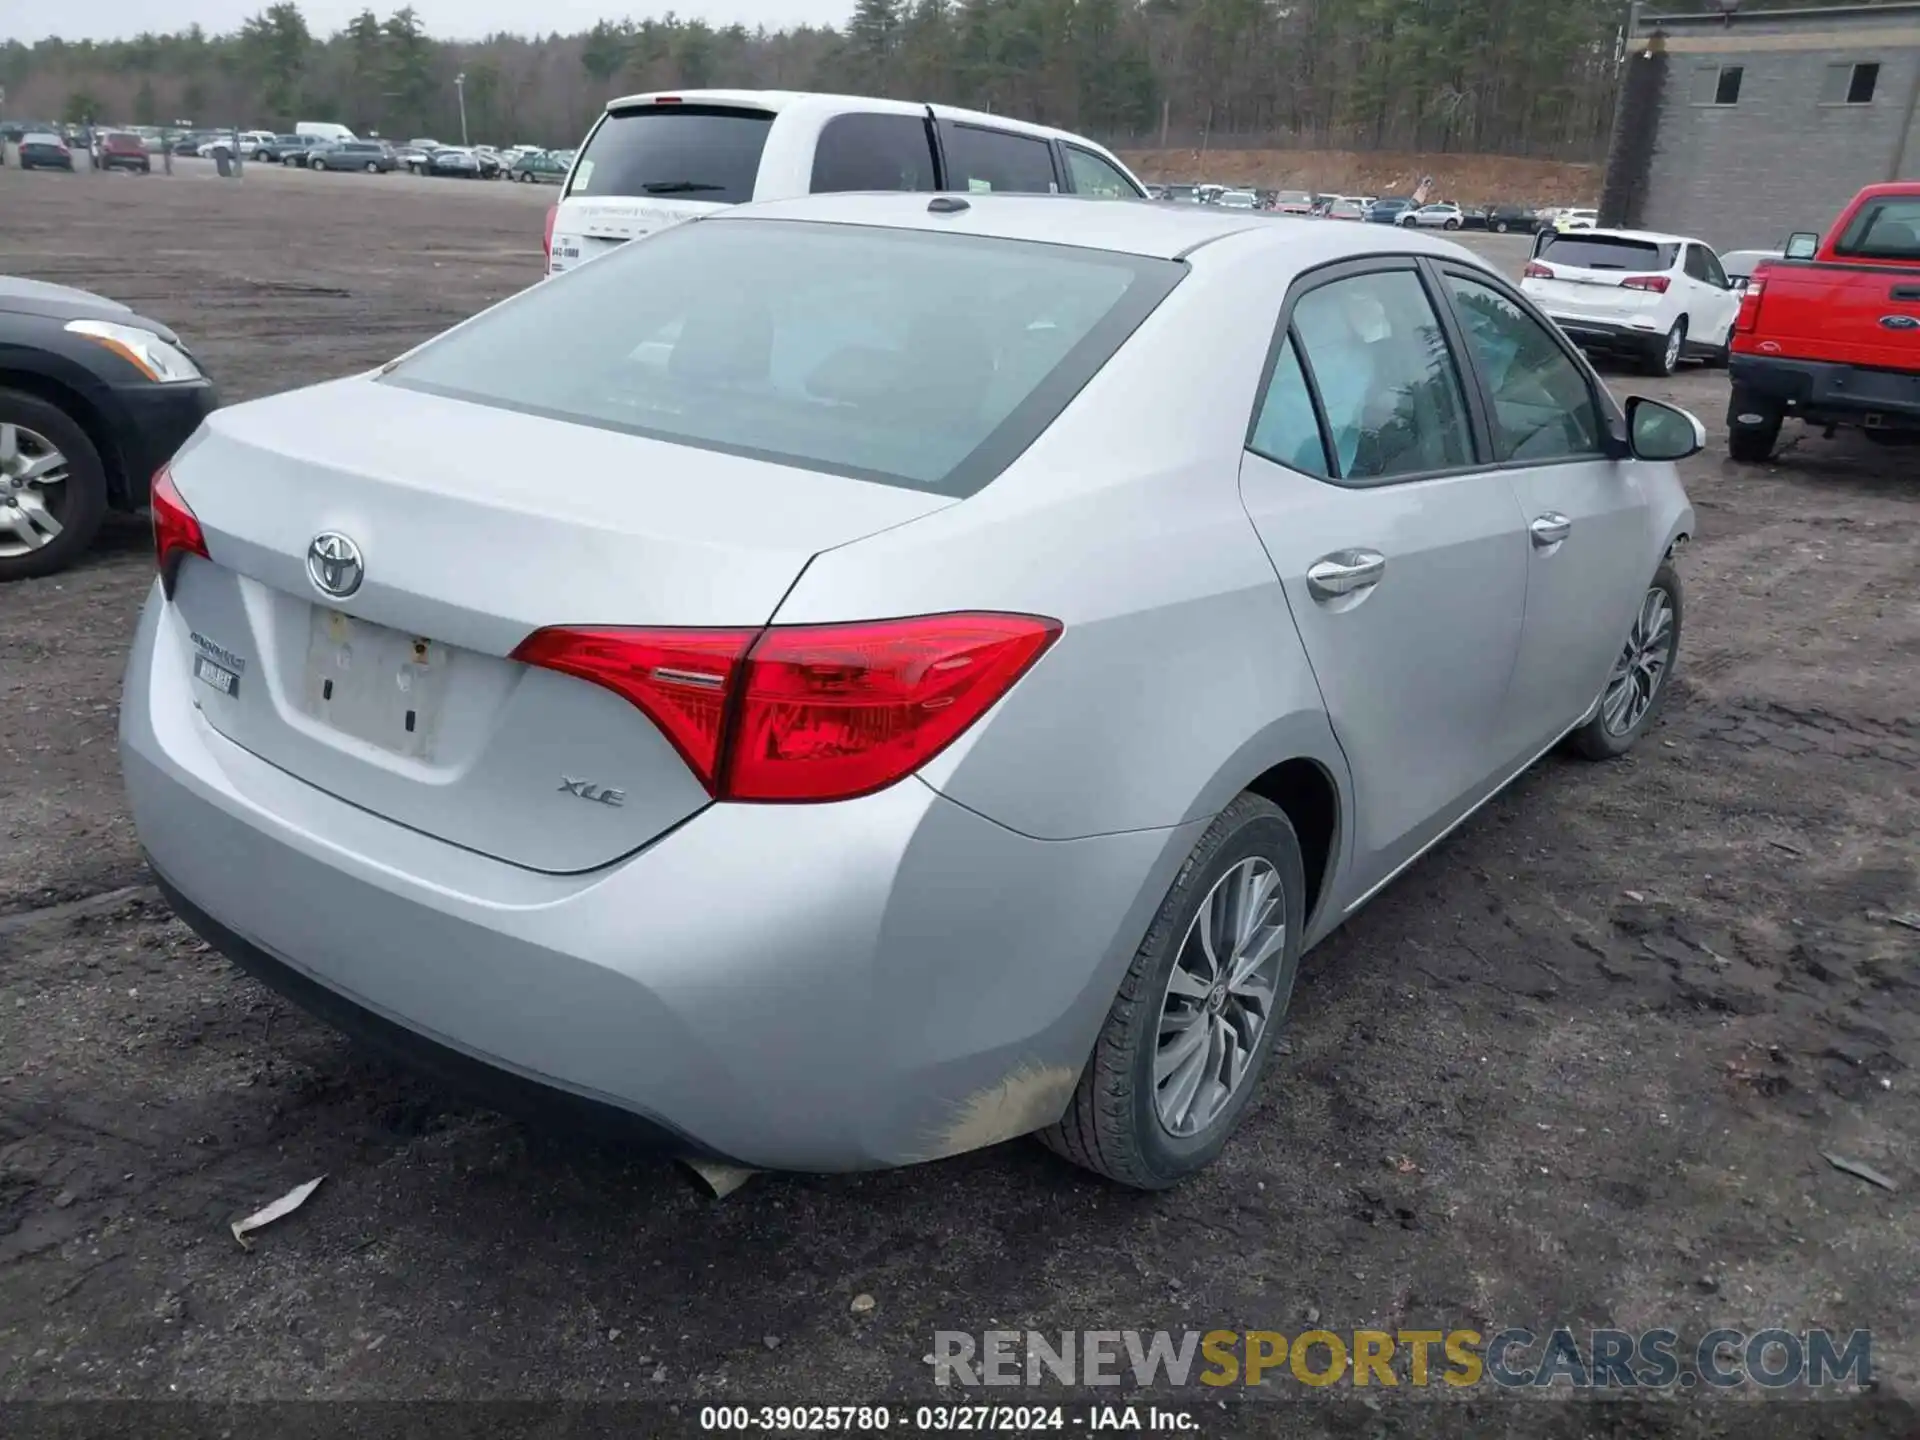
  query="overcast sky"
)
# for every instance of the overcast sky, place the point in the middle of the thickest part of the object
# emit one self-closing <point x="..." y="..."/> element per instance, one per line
<point x="446" y="19"/>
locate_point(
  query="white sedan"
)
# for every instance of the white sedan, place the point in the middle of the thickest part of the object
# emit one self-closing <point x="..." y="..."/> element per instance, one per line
<point x="1656" y="298"/>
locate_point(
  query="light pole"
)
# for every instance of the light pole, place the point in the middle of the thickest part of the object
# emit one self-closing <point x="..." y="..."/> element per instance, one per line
<point x="460" y="89"/>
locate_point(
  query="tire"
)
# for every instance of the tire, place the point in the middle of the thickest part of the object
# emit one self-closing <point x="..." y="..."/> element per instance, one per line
<point x="1451" y="225"/>
<point x="373" y="167"/>
<point x="316" y="163"/>
<point x="1753" y="427"/>
<point x="1500" y="227"/>
<point x="82" y="496"/>
<point x="1663" y="356"/>
<point x="1113" y="1126"/>
<point x="1599" y="739"/>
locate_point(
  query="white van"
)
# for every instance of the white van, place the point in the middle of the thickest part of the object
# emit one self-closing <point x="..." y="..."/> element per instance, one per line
<point x="653" y="160"/>
<point x="324" y="130"/>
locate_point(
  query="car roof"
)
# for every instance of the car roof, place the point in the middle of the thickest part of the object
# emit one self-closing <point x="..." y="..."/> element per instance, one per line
<point x="774" y="101"/>
<point x="1167" y="232"/>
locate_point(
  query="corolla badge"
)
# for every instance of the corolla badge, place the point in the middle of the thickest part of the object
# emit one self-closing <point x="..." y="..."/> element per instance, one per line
<point x="1900" y="322"/>
<point x="334" y="564"/>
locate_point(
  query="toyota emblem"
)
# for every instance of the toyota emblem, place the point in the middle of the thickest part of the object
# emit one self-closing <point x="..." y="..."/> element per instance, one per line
<point x="334" y="564"/>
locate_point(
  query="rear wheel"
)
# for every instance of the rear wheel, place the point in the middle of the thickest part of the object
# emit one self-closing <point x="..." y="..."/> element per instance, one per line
<point x="53" y="488"/>
<point x="1190" y="1032"/>
<point x="1636" y="687"/>
<point x="1663" y="356"/>
<point x="316" y="163"/>
<point x="1500" y="227"/>
<point x="1753" y="427"/>
<point x="1452" y="225"/>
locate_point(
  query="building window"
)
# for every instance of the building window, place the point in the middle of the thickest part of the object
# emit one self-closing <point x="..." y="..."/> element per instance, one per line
<point x="1850" y="84"/>
<point x="1717" y="84"/>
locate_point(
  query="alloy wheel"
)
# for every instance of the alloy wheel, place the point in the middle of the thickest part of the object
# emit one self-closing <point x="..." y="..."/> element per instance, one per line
<point x="1642" y="667"/>
<point x="1674" y="340"/>
<point x="1220" y="997"/>
<point x="29" y="464"/>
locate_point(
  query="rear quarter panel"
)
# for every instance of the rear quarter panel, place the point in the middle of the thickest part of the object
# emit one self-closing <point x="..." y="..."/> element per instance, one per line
<point x="1179" y="677"/>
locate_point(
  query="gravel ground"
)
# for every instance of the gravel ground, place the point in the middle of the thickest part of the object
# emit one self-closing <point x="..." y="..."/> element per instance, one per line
<point x="1579" y="1066"/>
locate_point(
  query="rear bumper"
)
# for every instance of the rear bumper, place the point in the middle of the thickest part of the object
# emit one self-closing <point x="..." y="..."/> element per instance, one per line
<point x="828" y="987"/>
<point x="1588" y="330"/>
<point x="1830" y="393"/>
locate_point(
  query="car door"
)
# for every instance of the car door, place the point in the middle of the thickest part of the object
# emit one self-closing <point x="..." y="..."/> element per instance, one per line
<point x="1403" y="561"/>
<point x="1587" y="516"/>
<point x="1718" y="302"/>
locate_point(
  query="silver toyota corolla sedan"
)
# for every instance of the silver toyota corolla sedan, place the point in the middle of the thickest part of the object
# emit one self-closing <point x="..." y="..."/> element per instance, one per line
<point x="844" y="682"/>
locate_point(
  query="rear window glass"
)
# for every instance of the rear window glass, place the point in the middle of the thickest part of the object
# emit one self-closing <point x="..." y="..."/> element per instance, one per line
<point x="696" y="152"/>
<point x="915" y="359"/>
<point x="1884" y="230"/>
<point x="1607" y="252"/>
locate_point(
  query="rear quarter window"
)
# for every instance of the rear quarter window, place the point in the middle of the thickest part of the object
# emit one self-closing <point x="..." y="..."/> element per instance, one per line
<point x="692" y="152"/>
<point x="873" y="152"/>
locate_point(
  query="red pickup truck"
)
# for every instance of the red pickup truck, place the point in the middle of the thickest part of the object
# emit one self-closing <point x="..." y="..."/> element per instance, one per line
<point x="1830" y="334"/>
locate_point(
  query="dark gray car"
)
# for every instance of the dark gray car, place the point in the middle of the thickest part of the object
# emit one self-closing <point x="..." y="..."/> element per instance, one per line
<point x="373" y="156"/>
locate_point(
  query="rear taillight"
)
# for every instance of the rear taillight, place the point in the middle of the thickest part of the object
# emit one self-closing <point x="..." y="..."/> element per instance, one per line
<point x="806" y="712"/>
<point x="176" y="534"/>
<point x="1536" y="271"/>
<point x="546" y="243"/>
<point x="1656" y="283"/>
<point x="1748" y="320"/>
<point x="681" y="678"/>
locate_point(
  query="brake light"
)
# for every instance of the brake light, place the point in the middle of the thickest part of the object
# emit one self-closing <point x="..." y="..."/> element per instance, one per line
<point x="681" y="679"/>
<point x="176" y="533"/>
<point x="802" y="713"/>
<point x="1656" y="283"/>
<point x="546" y="242"/>
<point x="1536" y="271"/>
<point x="1748" y="320"/>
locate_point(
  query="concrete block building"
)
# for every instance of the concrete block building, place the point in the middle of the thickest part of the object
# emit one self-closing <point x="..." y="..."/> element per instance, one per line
<point x="1740" y="125"/>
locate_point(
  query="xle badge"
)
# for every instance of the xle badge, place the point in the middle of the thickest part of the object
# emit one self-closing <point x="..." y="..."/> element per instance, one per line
<point x="587" y="790"/>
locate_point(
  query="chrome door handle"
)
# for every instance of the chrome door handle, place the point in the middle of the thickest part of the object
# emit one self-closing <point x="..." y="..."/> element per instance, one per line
<point x="1345" y="572"/>
<point x="1550" y="529"/>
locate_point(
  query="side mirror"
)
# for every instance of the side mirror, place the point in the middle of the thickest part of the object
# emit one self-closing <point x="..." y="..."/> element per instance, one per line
<point x="1662" y="432"/>
<point x="1802" y="244"/>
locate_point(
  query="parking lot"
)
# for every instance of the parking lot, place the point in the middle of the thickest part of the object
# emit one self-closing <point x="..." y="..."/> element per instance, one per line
<point x="1579" y="1066"/>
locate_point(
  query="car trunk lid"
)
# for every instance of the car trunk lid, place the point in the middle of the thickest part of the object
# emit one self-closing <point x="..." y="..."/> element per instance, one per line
<point x="475" y="526"/>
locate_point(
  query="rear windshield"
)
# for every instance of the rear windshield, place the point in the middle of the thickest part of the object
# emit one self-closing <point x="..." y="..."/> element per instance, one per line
<point x="697" y="152"/>
<point x="915" y="359"/>
<point x="1607" y="252"/>
<point x="1884" y="230"/>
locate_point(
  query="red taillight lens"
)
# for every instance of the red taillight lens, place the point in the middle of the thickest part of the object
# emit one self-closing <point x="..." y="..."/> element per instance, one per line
<point x="828" y="712"/>
<point x="1656" y="283"/>
<point x="1537" y="271"/>
<point x="806" y="712"/>
<point x="176" y="534"/>
<point x="1748" y="320"/>
<point x="546" y="241"/>
<point x="681" y="679"/>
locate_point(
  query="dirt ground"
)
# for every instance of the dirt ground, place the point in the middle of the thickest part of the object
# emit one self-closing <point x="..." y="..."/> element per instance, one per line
<point x="1580" y="1066"/>
<point x="1465" y="179"/>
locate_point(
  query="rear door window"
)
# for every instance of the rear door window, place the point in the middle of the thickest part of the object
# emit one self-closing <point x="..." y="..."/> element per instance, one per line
<point x="873" y="152"/>
<point x="982" y="158"/>
<point x="1094" y="176"/>
<point x="1606" y="252"/>
<point x="690" y="152"/>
